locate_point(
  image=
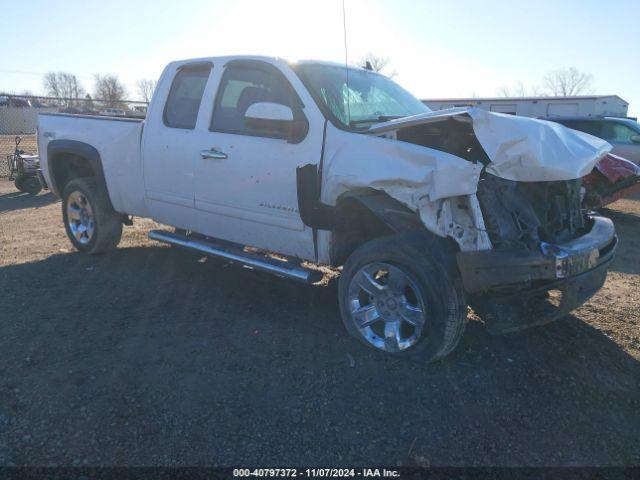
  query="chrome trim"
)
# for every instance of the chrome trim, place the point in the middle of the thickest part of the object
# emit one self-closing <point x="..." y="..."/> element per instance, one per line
<point x="275" y="267"/>
<point x="582" y="253"/>
<point x="213" y="153"/>
<point x="386" y="307"/>
<point x="80" y="218"/>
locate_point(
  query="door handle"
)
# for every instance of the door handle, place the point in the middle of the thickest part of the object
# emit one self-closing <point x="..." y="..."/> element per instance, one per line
<point x="213" y="153"/>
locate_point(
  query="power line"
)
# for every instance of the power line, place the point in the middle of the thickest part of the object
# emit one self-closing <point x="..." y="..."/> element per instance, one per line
<point x="21" y="72"/>
<point x="40" y="74"/>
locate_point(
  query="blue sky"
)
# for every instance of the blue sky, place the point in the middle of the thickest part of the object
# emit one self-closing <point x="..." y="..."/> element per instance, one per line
<point x="439" y="49"/>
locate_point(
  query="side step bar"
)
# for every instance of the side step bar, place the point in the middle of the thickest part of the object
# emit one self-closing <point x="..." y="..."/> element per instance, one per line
<point x="237" y="255"/>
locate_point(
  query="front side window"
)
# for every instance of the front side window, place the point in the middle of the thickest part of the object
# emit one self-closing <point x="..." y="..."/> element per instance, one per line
<point x="359" y="98"/>
<point x="242" y="86"/>
<point x="617" y="132"/>
<point x="183" y="102"/>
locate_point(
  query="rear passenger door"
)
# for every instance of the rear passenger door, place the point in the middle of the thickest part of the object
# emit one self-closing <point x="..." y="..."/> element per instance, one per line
<point x="169" y="133"/>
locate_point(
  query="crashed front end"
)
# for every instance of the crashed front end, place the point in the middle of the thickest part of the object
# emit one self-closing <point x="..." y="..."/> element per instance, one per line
<point x="507" y="190"/>
<point x="548" y="256"/>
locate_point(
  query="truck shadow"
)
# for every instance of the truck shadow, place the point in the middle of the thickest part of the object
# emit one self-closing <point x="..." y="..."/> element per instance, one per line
<point x="19" y="200"/>
<point x="147" y="339"/>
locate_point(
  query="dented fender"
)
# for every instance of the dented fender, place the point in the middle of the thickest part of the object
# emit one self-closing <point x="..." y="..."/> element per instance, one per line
<point x="409" y="173"/>
<point x="441" y="187"/>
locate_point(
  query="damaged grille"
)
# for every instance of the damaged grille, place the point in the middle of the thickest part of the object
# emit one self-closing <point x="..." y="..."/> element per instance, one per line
<point x="522" y="214"/>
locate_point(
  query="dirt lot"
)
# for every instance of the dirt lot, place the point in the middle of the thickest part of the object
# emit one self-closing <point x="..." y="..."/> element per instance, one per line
<point x="152" y="356"/>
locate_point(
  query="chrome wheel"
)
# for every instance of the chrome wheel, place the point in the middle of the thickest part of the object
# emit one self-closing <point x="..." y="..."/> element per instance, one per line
<point x="80" y="217"/>
<point x="386" y="307"/>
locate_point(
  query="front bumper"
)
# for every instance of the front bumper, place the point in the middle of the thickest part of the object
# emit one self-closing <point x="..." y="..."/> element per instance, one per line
<point x="513" y="290"/>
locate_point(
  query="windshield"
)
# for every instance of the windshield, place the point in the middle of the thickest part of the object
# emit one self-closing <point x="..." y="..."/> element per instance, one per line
<point x="369" y="98"/>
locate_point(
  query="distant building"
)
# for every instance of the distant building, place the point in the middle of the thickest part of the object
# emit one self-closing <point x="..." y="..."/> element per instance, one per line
<point x="540" y="107"/>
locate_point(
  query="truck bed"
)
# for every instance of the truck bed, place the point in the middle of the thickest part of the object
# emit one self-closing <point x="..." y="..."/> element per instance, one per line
<point x="117" y="141"/>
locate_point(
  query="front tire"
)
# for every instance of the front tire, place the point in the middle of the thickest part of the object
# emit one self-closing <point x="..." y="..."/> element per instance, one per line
<point x="402" y="295"/>
<point x="90" y="222"/>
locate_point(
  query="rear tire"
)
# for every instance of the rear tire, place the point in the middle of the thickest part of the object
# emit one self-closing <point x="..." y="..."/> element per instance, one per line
<point x="412" y="304"/>
<point x="18" y="183"/>
<point x="31" y="185"/>
<point x="90" y="222"/>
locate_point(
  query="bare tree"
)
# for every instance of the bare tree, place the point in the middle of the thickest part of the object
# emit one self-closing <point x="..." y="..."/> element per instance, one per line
<point x="536" y="91"/>
<point x="568" y="82"/>
<point x="109" y="89"/>
<point x="63" y="86"/>
<point x="377" y="64"/>
<point x="145" y="88"/>
<point x="520" y="90"/>
<point x="88" y="102"/>
<point x="503" y="92"/>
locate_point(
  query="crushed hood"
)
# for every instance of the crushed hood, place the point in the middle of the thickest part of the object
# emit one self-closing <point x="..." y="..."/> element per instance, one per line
<point x="519" y="148"/>
<point x="435" y="169"/>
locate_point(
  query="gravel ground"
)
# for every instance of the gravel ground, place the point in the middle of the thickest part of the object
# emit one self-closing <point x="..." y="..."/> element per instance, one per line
<point x="153" y="356"/>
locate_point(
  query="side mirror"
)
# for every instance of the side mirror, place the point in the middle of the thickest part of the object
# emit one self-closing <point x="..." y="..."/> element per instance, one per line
<point x="269" y="111"/>
<point x="635" y="138"/>
<point x="276" y="120"/>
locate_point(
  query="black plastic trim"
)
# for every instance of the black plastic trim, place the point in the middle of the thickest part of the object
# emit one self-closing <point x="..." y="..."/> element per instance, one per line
<point x="195" y="66"/>
<point x="80" y="149"/>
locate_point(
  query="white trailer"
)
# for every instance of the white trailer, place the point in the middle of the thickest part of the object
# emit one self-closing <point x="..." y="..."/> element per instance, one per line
<point x="541" y="107"/>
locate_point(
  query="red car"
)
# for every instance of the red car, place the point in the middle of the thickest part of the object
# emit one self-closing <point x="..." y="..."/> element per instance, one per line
<point x="612" y="178"/>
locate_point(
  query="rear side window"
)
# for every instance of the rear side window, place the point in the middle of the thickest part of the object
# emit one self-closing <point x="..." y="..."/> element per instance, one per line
<point x="241" y="87"/>
<point x="183" y="103"/>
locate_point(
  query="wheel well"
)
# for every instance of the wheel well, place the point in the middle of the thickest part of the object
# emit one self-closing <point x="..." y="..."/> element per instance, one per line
<point x="368" y="214"/>
<point x="67" y="166"/>
<point x="364" y="215"/>
<point x="355" y="224"/>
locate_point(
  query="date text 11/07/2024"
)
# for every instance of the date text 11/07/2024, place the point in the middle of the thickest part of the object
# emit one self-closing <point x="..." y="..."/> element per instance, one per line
<point x="317" y="472"/>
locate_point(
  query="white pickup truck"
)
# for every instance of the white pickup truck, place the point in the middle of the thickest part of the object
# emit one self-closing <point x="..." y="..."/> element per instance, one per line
<point x="426" y="212"/>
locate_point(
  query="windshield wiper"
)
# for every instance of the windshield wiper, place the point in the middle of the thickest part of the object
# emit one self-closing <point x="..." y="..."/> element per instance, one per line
<point x="378" y="119"/>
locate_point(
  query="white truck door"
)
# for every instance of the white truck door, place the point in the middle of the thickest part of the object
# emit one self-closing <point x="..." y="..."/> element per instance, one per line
<point x="169" y="134"/>
<point x="245" y="175"/>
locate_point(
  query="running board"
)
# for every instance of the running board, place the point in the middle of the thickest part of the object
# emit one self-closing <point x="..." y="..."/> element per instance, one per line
<point x="235" y="254"/>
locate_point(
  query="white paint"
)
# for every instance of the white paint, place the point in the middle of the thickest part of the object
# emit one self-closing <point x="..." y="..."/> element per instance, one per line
<point x="405" y="171"/>
<point x="250" y="197"/>
<point x="425" y="180"/>
<point x="521" y="149"/>
<point x="117" y="142"/>
<point x="459" y="218"/>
